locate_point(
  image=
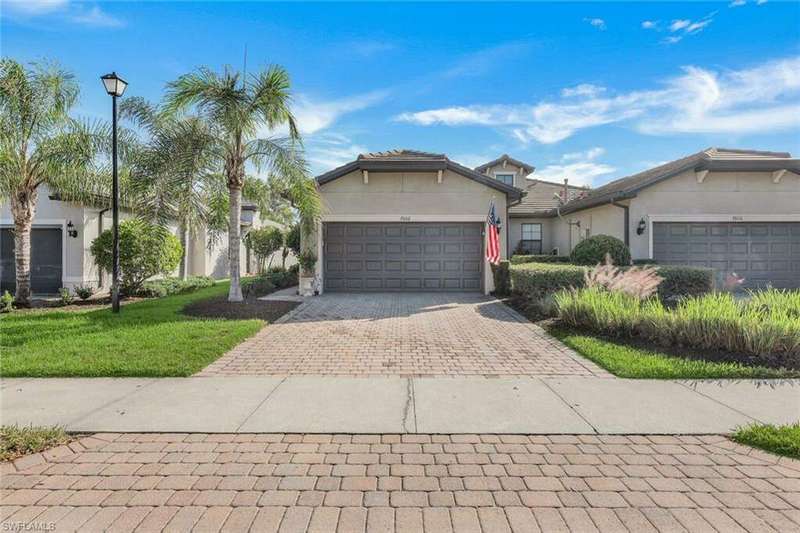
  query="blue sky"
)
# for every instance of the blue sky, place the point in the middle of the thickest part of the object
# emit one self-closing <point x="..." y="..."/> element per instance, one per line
<point x="588" y="91"/>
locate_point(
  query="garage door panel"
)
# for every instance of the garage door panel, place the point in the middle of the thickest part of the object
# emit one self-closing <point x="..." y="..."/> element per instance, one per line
<point x="762" y="253"/>
<point x="46" y="260"/>
<point x="403" y="256"/>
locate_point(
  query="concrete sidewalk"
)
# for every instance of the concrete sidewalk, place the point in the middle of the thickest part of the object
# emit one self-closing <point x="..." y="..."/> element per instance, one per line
<point x="312" y="404"/>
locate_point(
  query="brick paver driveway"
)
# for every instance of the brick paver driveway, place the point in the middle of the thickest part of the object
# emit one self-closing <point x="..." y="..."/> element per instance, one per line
<point x="436" y="483"/>
<point x="403" y="334"/>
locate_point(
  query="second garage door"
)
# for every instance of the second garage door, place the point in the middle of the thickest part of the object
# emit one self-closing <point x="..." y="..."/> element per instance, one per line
<point x="403" y="256"/>
<point x="762" y="253"/>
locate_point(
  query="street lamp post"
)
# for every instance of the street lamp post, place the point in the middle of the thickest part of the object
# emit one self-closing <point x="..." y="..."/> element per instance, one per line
<point x="114" y="86"/>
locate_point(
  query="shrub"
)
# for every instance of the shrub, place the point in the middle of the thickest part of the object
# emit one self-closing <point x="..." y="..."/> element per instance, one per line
<point x="308" y="261"/>
<point x="536" y="280"/>
<point x="717" y="322"/>
<point x="275" y="278"/>
<point x="293" y="239"/>
<point x="6" y="302"/>
<point x="541" y="258"/>
<point x="295" y="269"/>
<point x="159" y="288"/>
<point x="145" y="250"/>
<point x="502" y="279"/>
<point x="264" y="242"/>
<point x="593" y="250"/>
<point x="635" y="281"/>
<point x="680" y="281"/>
<point x="65" y="295"/>
<point x="545" y="279"/>
<point x="645" y="262"/>
<point x="84" y="292"/>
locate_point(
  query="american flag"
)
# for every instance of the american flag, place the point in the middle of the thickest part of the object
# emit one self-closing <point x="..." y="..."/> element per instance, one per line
<point x="492" y="236"/>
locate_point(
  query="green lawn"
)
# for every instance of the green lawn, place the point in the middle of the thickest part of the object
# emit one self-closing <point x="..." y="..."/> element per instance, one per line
<point x="627" y="361"/>
<point x="780" y="440"/>
<point x="148" y="338"/>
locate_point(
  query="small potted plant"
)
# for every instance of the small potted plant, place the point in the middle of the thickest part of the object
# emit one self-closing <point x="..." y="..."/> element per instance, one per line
<point x="308" y="279"/>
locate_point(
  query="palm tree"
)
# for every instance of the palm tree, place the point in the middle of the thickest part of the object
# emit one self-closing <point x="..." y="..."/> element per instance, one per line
<point x="172" y="173"/>
<point x="239" y="107"/>
<point x="40" y="144"/>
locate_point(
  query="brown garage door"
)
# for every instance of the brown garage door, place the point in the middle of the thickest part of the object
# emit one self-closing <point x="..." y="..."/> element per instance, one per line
<point x="403" y="256"/>
<point x="762" y="253"/>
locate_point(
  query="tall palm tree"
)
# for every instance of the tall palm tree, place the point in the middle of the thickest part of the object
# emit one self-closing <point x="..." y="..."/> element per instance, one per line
<point x="240" y="106"/>
<point x="40" y="144"/>
<point x="173" y="171"/>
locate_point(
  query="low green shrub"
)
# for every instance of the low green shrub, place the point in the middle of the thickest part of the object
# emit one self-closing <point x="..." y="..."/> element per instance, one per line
<point x="716" y="321"/>
<point x="682" y="281"/>
<point x="84" y="292"/>
<point x="502" y="279"/>
<point x="65" y="296"/>
<point x="533" y="280"/>
<point x="275" y="278"/>
<point x="519" y="259"/>
<point x="536" y="280"/>
<point x="6" y="302"/>
<point x="593" y="251"/>
<point x="159" y="288"/>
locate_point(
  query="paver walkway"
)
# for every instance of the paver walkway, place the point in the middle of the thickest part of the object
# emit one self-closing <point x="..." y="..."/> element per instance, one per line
<point x="436" y="483"/>
<point x="403" y="334"/>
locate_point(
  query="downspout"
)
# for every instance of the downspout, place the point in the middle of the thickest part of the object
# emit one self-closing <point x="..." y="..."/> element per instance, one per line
<point x="100" y="272"/>
<point x="627" y="220"/>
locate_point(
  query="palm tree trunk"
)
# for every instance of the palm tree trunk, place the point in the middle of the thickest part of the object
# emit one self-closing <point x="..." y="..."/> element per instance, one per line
<point x="23" y="207"/>
<point x="184" y="269"/>
<point x="234" y="243"/>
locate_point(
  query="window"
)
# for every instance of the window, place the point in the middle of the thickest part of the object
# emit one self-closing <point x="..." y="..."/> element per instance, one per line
<point x="531" y="242"/>
<point x="508" y="179"/>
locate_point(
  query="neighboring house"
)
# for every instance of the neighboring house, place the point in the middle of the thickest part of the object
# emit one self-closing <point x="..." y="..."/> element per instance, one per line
<point x="62" y="237"/>
<point x="405" y="220"/>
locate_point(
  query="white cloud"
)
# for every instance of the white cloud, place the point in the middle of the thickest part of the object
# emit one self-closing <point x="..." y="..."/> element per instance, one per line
<point x="584" y="89"/>
<point x="34" y="7"/>
<point x="76" y="13"/>
<point x="314" y="115"/>
<point x="327" y="151"/>
<point x="679" y="24"/>
<point x="649" y="24"/>
<point x="761" y="2"/>
<point x="472" y="160"/>
<point x="579" y="173"/>
<point x="737" y="3"/>
<point x="95" y="17"/>
<point x="598" y="23"/>
<point x="763" y="98"/>
<point x="483" y="61"/>
<point x="589" y="155"/>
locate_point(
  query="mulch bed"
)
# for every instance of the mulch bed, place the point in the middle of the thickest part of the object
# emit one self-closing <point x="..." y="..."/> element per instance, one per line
<point x="220" y="307"/>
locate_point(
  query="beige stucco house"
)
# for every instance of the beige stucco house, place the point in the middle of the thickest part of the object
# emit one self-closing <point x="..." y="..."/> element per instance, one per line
<point x="405" y="220"/>
<point x="62" y="237"/>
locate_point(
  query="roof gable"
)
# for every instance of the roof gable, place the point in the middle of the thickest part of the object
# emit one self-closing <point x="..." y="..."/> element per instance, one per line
<point x="719" y="159"/>
<point x="505" y="158"/>
<point x="414" y="161"/>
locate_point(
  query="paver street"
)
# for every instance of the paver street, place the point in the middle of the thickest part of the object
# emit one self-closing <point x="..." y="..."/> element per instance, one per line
<point x="316" y="482"/>
<point x="403" y="334"/>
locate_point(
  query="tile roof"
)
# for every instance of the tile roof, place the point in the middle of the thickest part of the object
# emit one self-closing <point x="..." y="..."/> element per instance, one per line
<point x="540" y="199"/>
<point x="711" y="158"/>
<point x="402" y="155"/>
<point x="505" y="157"/>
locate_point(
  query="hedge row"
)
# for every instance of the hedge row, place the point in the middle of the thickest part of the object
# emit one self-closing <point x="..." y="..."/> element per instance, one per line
<point x="159" y="288"/>
<point x="541" y="258"/>
<point x="537" y="280"/>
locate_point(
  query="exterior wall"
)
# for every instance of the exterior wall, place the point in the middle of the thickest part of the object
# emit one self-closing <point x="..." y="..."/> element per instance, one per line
<point x="731" y="196"/>
<point x="53" y="213"/>
<point x="519" y="174"/>
<point x="407" y="197"/>
<point x="723" y="196"/>
<point x="603" y="220"/>
<point x="515" y="232"/>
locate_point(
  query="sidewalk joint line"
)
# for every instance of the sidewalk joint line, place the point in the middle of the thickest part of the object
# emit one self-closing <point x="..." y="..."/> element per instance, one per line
<point x="262" y="402"/>
<point x="569" y="405"/>
<point x="679" y="382"/>
<point x="112" y="402"/>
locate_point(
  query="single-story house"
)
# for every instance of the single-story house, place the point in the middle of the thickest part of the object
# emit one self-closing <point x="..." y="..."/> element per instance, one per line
<point x="62" y="237"/>
<point x="405" y="220"/>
